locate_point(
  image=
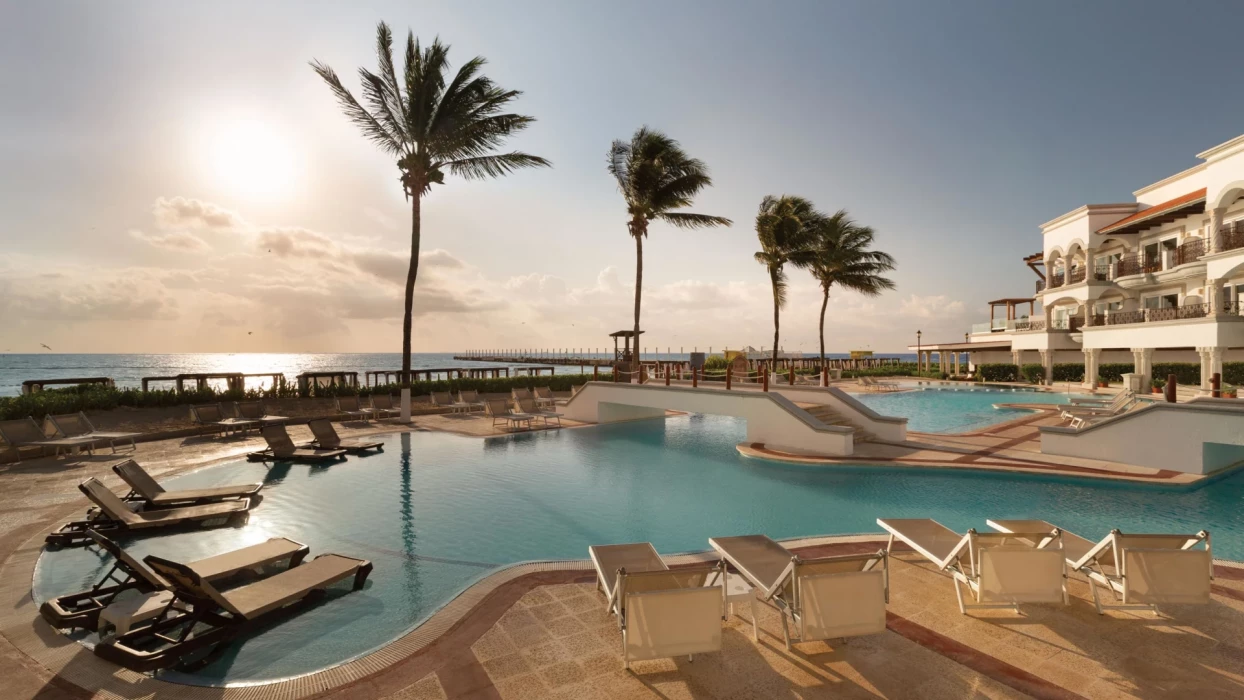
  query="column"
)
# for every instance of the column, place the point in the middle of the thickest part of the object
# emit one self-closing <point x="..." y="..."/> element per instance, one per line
<point x="1016" y="356"/>
<point x="1143" y="357"/>
<point x="1047" y="361"/>
<point x="956" y="356"/>
<point x="1091" y="358"/>
<point x="1215" y="223"/>
<point x="1206" y="364"/>
<point x="1213" y="297"/>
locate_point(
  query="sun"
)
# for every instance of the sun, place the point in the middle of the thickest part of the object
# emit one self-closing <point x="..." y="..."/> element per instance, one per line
<point x="249" y="157"/>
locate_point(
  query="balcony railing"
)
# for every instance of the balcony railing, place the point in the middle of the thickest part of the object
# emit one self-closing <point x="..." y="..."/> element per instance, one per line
<point x="1031" y="324"/>
<point x="1077" y="275"/>
<point x="1040" y="286"/>
<point x="1135" y="264"/>
<point x="1118" y="318"/>
<point x="1056" y="280"/>
<point x="1174" y="313"/>
<point x="1101" y="273"/>
<point x="1231" y="236"/>
<point x="1188" y="252"/>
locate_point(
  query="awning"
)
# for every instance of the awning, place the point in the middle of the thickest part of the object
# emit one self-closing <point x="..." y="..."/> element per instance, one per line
<point x="1166" y="212"/>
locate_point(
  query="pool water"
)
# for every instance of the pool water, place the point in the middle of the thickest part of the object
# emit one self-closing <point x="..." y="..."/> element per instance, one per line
<point x="435" y="511"/>
<point x="955" y="409"/>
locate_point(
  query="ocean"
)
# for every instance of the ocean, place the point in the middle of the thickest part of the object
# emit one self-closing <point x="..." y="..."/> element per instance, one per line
<point x="129" y="369"/>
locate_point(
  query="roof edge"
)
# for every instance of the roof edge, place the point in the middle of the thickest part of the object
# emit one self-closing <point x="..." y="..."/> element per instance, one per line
<point x="1117" y="208"/>
<point x="1222" y="149"/>
<point x="1168" y="180"/>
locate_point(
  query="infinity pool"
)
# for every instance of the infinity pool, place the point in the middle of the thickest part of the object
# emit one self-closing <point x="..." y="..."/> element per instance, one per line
<point x="436" y="511"/>
<point x="956" y="409"/>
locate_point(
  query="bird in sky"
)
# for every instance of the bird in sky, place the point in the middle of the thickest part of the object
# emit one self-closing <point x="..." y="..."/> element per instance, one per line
<point x="41" y="344"/>
<point x="250" y="332"/>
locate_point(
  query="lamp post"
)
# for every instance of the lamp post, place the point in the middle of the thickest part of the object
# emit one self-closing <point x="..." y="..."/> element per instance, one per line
<point x="919" y="354"/>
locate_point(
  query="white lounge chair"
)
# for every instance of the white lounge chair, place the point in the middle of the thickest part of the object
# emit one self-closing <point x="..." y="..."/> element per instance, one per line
<point x="544" y="397"/>
<point x="499" y="409"/>
<point x="352" y="407"/>
<point x="25" y="432"/>
<point x="443" y="399"/>
<point x="1115" y="406"/>
<point x="1142" y="571"/>
<point x="826" y="598"/>
<point x="470" y="398"/>
<point x="211" y="415"/>
<point x="77" y="425"/>
<point x="661" y="612"/>
<point x="528" y="406"/>
<point x="871" y="384"/>
<point x="384" y="407"/>
<point x="1001" y="570"/>
<point x="256" y="411"/>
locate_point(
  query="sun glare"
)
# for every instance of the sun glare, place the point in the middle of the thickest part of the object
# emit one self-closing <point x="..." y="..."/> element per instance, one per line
<point x="249" y="157"/>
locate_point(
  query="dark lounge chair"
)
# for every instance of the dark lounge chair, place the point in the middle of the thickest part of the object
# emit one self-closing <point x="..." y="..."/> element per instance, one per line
<point x="129" y="574"/>
<point x="214" y="618"/>
<point x="326" y="437"/>
<point x="115" y="514"/>
<point x="281" y="447"/>
<point x="147" y="490"/>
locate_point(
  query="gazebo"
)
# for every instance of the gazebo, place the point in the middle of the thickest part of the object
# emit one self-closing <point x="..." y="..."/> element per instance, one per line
<point x="623" y="354"/>
<point x="1010" y="304"/>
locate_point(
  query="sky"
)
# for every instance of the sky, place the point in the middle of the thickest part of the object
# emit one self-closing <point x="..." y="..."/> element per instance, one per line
<point x="175" y="178"/>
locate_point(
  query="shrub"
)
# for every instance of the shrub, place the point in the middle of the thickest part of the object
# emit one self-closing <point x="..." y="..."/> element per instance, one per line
<point x="1233" y="373"/>
<point x="1033" y="373"/>
<point x="1114" y="371"/>
<point x="1185" y="372"/>
<point x="1068" y="372"/>
<point x="901" y="369"/>
<point x="715" y="362"/>
<point x="999" y="372"/>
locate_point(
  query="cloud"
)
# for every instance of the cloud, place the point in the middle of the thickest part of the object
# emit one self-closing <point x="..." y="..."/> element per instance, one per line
<point x="117" y="296"/>
<point x="172" y="241"/>
<point x="385" y="221"/>
<point x="939" y="306"/>
<point x="181" y="212"/>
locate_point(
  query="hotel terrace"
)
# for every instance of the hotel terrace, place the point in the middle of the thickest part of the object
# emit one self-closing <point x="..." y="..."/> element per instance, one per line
<point x="1154" y="280"/>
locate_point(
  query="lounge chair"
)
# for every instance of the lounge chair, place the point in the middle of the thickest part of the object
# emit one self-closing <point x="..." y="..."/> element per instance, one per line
<point x="351" y="406"/>
<point x="826" y="598"/>
<point x="1000" y="570"/>
<point x="255" y="411"/>
<point x="25" y="432"/>
<point x="145" y="489"/>
<point x="115" y="514"/>
<point x="1114" y="405"/>
<point x="326" y="437"/>
<point x="214" y="618"/>
<point x="77" y="425"/>
<point x="470" y="398"/>
<point x="871" y="384"/>
<point x="281" y="447"/>
<point x="211" y="415"/>
<point x="528" y="406"/>
<point x="1097" y="399"/>
<point x="443" y="399"/>
<point x="1080" y="417"/>
<point x="129" y="574"/>
<point x="661" y="612"/>
<point x="382" y="405"/>
<point x="499" y="409"/>
<point x="544" y="397"/>
<point x="1142" y="571"/>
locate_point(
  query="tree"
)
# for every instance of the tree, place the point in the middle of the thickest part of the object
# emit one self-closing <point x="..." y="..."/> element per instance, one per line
<point x="431" y="126"/>
<point x="656" y="178"/>
<point x="787" y="227"/>
<point x="842" y="256"/>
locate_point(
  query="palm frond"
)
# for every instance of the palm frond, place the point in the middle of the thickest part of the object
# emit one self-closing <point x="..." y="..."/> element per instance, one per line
<point x="371" y="127"/>
<point x="483" y="167"/>
<point x="691" y="221"/>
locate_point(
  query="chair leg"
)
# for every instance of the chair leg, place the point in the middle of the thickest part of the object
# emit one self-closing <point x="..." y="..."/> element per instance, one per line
<point x="959" y="594"/>
<point x="785" y="631"/>
<point x="755" y="631"/>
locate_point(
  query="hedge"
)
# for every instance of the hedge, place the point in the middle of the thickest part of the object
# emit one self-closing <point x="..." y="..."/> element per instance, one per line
<point x="1033" y="373"/>
<point x="998" y="372"/>
<point x="1068" y="372"/>
<point x="1185" y="372"/>
<point x="94" y="397"/>
<point x="1114" y="371"/>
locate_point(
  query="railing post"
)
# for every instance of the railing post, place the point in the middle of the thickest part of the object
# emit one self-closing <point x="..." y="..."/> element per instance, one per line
<point x="695" y="378"/>
<point x="728" y="373"/>
<point x="764" y="375"/>
<point x="824" y="376"/>
<point x="667" y="375"/>
<point x="595" y="373"/>
<point x="792" y="374"/>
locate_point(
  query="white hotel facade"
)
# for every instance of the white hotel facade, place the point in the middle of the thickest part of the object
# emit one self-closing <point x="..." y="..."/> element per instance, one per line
<point x="1159" y="279"/>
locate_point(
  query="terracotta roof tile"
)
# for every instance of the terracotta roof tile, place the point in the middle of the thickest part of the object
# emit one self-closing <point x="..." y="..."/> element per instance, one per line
<point x="1155" y="210"/>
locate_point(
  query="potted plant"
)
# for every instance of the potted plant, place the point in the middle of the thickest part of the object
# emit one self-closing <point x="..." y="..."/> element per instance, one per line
<point x="1158" y="386"/>
<point x="1228" y="391"/>
<point x="1103" y="384"/>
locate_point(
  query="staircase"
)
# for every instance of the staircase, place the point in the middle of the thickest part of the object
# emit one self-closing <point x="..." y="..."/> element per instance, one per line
<point x="829" y="416"/>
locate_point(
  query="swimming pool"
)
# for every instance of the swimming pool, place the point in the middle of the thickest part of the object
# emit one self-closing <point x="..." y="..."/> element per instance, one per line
<point x="956" y="409"/>
<point x="436" y="511"/>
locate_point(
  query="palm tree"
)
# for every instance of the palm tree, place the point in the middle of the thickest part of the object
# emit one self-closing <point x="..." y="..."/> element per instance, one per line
<point x="656" y="178"/>
<point x="843" y="256"/>
<point x="787" y="227"/>
<point x="431" y="126"/>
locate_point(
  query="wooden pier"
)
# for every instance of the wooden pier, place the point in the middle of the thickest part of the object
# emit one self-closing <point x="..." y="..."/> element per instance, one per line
<point x="809" y="362"/>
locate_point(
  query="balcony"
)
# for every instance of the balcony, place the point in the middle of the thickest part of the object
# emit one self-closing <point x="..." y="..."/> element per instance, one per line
<point x="1135" y="264"/>
<point x="1190" y="251"/>
<point x="1175" y="313"/>
<point x="1040" y="286"/>
<point x="1056" y="280"/>
<point x="1077" y="275"/>
<point x="1231" y="237"/>
<point x="1030" y="324"/>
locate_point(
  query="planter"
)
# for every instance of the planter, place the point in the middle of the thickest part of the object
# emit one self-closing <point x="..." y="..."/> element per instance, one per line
<point x="1103" y="385"/>
<point x="1157" y="390"/>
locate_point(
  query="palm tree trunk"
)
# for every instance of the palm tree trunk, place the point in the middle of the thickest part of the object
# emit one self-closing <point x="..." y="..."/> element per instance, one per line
<point x="639" y="286"/>
<point x="407" y="319"/>
<point x="824" y="303"/>
<point x="776" y="322"/>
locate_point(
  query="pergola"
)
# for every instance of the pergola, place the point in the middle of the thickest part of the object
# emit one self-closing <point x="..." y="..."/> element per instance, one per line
<point x="623" y="354"/>
<point x="1010" y="305"/>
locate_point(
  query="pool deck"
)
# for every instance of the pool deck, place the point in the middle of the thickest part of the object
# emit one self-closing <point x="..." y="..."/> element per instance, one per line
<point x="540" y="631"/>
